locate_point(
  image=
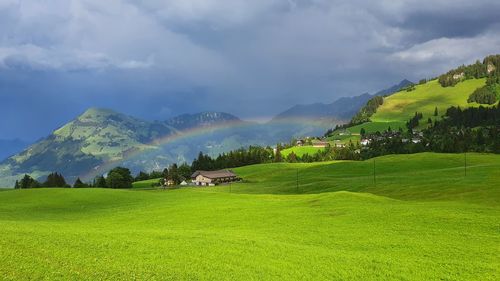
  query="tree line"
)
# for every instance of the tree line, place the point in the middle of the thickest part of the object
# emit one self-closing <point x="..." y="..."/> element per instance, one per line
<point x="118" y="177"/>
<point x="367" y="111"/>
<point x="460" y="130"/>
<point x="489" y="69"/>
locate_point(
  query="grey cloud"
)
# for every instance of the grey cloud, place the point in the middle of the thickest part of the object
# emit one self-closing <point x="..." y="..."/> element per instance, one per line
<point x="175" y="56"/>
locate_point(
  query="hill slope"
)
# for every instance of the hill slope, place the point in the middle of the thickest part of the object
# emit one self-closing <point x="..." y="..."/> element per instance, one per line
<point x="400" y="107"/>
<point x="211" y="234"/>
<point x="91" y="139"/>
<point x="455" y="88"/>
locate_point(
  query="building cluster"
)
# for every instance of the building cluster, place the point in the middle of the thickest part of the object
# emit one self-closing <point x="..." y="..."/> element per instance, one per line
<point x="319" y="143"/>
<point x="207" y="178"/>
<point x="416" y="137"/>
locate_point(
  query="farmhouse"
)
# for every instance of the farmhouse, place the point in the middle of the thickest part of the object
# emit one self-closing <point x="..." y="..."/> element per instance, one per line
<point x="210" y="178"/>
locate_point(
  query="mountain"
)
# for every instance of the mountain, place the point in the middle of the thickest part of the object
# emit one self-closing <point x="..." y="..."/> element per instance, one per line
<point x="93" y="138"/>
<point x="203" y="119"/>
<point x="342" y="109"/>
<point x="99" y="139"/>
<point x="11" y="147"/>
<point x="394" y="89"/>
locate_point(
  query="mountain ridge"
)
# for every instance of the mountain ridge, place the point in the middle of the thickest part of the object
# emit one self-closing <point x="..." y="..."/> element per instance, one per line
<point x="100" y="136"/>
<point x="341" y="109"/>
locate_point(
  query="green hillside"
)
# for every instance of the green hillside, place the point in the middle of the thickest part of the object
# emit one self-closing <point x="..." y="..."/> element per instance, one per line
<point x="397" y="109"/>
<point x="422" y="220"/>
<point x="145" y="183"/>
<point x="301" y="150"/>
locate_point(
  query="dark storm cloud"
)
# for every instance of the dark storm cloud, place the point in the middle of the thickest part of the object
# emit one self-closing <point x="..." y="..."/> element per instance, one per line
<point x="155" y="59"/>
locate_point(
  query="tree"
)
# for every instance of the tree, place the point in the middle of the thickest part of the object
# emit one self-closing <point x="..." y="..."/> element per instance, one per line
<point x="16" y="186"/>
<point x="277" y="157"/>
<point x="367" y="111"/>
<point x="483" y="95"/>
<point x="362" y="132"/>
<point x="79" y="184"/>
<point x="55" y="180"/>
<point x="100" y="181"/>
<point x="142" y="176"/>
<point x="165" y="173"/>
<point x="185" y="171"/>
<point x="173" y="174"/>
<point x="28" y="182"/>
<point x="119" y="177"/>
<point x="155" y="174"/>
<point x="436" y="111"/>
<point x="291" y="158"/>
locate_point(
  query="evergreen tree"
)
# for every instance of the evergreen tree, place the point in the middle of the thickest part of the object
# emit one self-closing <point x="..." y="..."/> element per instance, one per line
<point x="55" y="180"/>
<point x="142" y="176"/>
<point x="28" y="182"/>
<point x="79" y="184"/>
<point x="173" y="174"/>
<point x="155" y="175"/>
<point x="436" y="111"/>
<point x="291" y="158"/>
<point x="16" y="186"/>
<point x="277" y="157"/>
<point x="362" y="132"/>
<point x="184" y="172"/>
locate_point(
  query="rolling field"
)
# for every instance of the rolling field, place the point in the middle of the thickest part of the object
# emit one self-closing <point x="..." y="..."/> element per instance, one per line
<point x="400" y="107"/>
<point x="421" y="220"/>
<point x="377" y="126"/>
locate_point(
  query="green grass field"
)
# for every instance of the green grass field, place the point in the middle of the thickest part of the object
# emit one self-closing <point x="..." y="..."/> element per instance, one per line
<point x="400" y="107"/>
<point x="377" y="126"/>
<point x="422" y="220"/>
<point x="145" y="184"/>
<point x="301" y="150"/>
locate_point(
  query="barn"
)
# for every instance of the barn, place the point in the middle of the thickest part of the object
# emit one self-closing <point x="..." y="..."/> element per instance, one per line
<point x="210" y="178"/>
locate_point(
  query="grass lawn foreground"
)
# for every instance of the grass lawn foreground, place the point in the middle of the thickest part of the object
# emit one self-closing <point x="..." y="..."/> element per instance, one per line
<point x="422" y="219"/>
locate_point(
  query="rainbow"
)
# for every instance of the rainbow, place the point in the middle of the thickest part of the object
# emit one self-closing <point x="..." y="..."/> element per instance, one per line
<point x="191" y="133"/>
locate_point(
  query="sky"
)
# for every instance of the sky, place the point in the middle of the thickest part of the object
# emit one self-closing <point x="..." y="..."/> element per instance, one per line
<point x="160" y="58"/>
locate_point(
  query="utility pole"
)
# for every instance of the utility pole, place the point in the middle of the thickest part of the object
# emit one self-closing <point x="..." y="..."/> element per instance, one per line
<point x="230" y="185"/>
<point x="374" y="174"/>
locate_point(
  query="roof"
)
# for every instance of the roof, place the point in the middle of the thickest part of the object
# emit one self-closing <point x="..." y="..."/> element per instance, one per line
<point x="214" y="174"/>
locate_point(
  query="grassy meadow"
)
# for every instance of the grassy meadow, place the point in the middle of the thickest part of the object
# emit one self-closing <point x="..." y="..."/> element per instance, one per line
<point x="301" y="150"/>
<point x="422" y="219"/>
<point x="400" y="107"/>
<point x="146" y="183"/>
